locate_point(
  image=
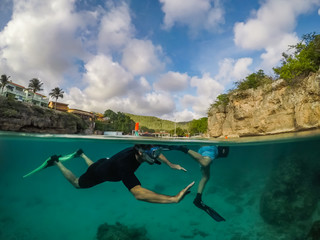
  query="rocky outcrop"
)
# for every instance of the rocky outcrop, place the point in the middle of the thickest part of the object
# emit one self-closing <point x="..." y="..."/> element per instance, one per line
<point x="291" y="194"/>
<point x="23" y="117"/>
<point x="314" y="233"/>
<point x="269" y="109"/>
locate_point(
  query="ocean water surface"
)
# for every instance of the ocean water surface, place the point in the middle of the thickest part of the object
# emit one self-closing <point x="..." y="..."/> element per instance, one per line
<point x="265" y="189"/>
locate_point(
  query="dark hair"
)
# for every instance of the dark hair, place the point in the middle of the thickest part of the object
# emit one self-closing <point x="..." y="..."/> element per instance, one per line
<point x="223" y="151"/>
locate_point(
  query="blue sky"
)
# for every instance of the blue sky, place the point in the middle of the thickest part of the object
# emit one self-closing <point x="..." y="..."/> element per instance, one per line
<point x="165" y="58"/>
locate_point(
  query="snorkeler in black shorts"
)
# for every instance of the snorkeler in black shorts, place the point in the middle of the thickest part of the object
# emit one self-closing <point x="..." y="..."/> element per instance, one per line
<point x="121" y="167"/>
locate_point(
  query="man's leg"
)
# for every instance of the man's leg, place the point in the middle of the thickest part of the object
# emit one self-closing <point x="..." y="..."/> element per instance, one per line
<point x="205" y="170"/>
<point x="68" y="174"/>
<point x="78" y="153"/>
<point x="56" y="160"/>
<point x="88" y="161"/>
<point x="205" y="177"/>
<point x="203" y="161"/>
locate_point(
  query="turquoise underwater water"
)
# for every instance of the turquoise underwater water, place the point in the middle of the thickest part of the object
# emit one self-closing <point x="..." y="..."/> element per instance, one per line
<point x="46" y="206"/>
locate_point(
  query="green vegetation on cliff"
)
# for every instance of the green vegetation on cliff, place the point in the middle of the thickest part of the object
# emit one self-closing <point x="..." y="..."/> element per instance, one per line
<point x="253" y="80"/>
<point x="198" y="126"/>
<point x="294" y="67"/>
<point x="305" y="59"/>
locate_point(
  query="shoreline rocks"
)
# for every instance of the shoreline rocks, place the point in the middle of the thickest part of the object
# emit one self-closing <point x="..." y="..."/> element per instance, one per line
<point x="23" y="117"/>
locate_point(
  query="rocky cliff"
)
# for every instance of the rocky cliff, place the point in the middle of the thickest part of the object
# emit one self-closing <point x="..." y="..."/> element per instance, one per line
<point x="269" y="109"/>
<point x="23" y="117"/>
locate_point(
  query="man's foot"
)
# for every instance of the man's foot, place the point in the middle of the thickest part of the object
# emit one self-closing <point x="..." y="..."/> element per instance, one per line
<point x="198" y="202"/>
<point x="78" y="153"/>
<point x="52" y="161"/>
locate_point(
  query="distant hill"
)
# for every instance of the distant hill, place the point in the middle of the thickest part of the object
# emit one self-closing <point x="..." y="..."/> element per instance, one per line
<point x="157" y="123"/>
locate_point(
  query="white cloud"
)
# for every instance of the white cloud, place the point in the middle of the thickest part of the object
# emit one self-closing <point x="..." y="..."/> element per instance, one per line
<point x="106" y="79"/>
<point x="231" y="70"/>
<point x="145" y="85"/>
<point x="196" y="14"/>
<point x="116" y="28"/>
<point x="272" y="24"/>
<point x="142" y="57"/>
<point x="274" y="53"/>
<point x="172" y="81"/>
<point x="151" y="104"/>
<point x="159" y="103"/>
<point x="207" y="91"/>
<point x="182" y="116"/>
<point x="76" y="99"/>
<point x="40" y="41"/>
<point x="319" y="11"/>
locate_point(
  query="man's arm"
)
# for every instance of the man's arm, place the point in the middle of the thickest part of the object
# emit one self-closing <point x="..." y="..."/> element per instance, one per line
<point x="170" y="164"/>
<point x="146" y="195"/>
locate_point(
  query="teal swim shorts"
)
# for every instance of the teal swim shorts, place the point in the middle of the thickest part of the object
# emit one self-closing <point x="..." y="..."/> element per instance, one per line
<point x="209" y="151"/>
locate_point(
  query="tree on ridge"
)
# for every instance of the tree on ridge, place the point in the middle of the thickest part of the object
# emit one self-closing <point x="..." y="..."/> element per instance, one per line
<point x="4" y="81"/>
<point x="56" y="93"/>
<point x="35" y="85"/>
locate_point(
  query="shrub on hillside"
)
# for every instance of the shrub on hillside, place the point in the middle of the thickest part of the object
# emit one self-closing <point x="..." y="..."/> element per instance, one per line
<point x="304" y="59"/>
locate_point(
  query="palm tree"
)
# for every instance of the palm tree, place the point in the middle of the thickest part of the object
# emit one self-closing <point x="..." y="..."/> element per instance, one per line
<point x="56" y="93"/>
<point x="35" y="85"/>
<point x="4" y="81"/>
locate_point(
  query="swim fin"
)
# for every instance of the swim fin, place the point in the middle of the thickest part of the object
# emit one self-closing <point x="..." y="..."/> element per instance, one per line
<point x="47" y="163"/>
<point x="211" y="212"/>
<point x="71" y="155"/>
<point x="50" y="160"/>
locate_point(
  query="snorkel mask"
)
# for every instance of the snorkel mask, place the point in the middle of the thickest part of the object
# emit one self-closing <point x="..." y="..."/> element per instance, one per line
<point x="151" y="155"/>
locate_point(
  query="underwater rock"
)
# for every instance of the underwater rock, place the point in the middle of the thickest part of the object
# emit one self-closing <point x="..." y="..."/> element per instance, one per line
<point x="289" y="195"/>
<point x="194" y="234"/>
<point x="120" y="231"/>
<point x="314" y="233"/>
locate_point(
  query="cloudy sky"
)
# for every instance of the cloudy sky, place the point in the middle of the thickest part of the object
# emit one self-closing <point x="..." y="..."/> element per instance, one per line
<point x="165" y="58"/>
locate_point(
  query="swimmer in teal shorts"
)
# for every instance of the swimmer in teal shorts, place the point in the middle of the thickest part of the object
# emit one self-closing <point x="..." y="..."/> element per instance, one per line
<point x="204" y="157"/>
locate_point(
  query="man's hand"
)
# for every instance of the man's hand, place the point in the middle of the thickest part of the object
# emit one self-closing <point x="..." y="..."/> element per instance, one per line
<point x="146" y="195"/>
<point x="171" y="165"/>
<point x="183" y="192"/>
<point x="177" y="167"/>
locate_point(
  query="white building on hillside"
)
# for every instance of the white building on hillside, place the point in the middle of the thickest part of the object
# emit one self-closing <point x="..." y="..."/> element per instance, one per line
<point x="20" y="93"/>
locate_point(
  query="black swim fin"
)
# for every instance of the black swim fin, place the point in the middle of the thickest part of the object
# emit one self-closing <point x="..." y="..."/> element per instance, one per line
<point x="52" y="160"/>
<point x="212" y="213"/>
